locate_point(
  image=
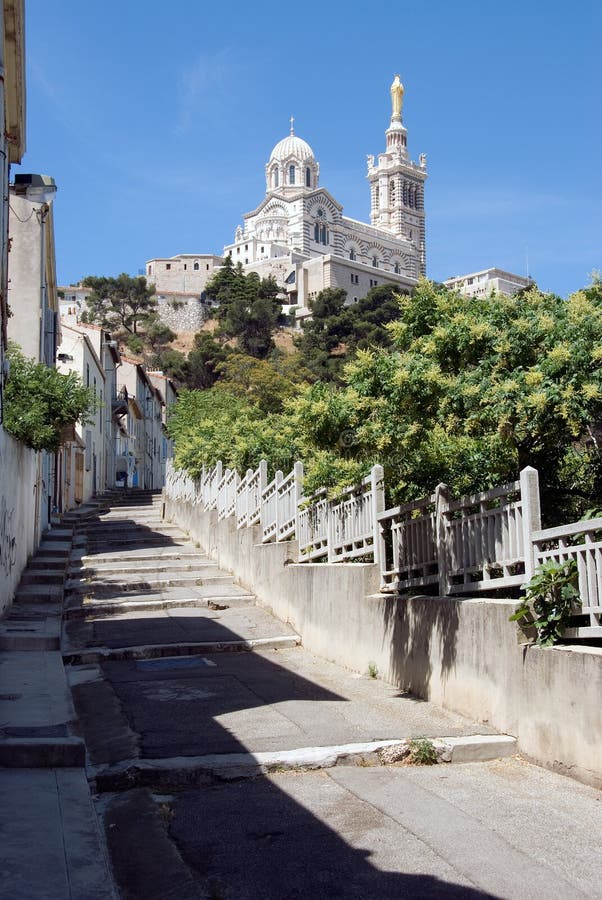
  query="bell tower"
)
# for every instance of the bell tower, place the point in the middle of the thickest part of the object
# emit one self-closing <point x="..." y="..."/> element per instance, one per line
<point x="397" y="183"/>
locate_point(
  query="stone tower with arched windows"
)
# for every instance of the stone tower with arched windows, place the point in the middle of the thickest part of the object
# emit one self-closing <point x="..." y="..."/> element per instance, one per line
<point x="397" y="183"/>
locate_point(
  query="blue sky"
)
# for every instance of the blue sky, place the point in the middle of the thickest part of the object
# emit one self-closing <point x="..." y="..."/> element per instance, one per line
<point x="157" y="119"/>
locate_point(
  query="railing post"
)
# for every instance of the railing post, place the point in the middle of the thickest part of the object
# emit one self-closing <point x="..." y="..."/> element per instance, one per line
<point x="298" y="495"/>
<point x="378" y="505"/>
<point x="278" y="477"/>
<point x="330" y="530"/>
<point x="247" y="479"/>
<point x="529" y="493"/>
<point x="442" y="540"/>
<point x="263" y="477"/>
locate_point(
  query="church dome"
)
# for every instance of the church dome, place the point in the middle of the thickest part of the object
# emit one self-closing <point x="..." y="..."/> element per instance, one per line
<point x="292" y="145"/>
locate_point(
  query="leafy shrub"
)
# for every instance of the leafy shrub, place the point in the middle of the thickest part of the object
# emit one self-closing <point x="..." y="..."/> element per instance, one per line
<point x="41" y="402"/>
<point x="548" y="602"/>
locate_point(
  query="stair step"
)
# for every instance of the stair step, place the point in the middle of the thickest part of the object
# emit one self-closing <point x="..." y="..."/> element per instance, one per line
<point x="42" y="576"/>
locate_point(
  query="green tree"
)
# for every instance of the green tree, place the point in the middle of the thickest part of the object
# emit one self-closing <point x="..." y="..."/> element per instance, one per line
<point x="172" y="362"/>
<point x="157" y="333"/>
<point x="322" y="343"/>
<point x="480" y="387"/>
<point x="120" y="303"/>
<point x="257" y="380"/>
<point x="248" y="307"/>
<point x="201" y="368"/>
<point x="41" y="402"/>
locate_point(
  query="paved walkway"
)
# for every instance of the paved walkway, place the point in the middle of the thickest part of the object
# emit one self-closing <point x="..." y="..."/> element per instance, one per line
<point x="225" y="761"/>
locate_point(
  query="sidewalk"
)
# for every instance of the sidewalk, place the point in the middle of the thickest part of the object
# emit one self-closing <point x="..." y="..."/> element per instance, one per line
<point x="52" y="846"/>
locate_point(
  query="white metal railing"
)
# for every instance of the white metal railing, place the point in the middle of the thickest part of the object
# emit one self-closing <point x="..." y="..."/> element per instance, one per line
<point x="179" y="484"/>
<point x="581" y="541"/>
<point x="226" y="494"/>
<point x="280" y="505"/>
<point x="476" y="543"/>
<point x="249" y="494"/>
<point x="343" y="529"/>
<point x="484" y="541"/>
<point x="312" y="533"/>
<point x="408" y="554"/>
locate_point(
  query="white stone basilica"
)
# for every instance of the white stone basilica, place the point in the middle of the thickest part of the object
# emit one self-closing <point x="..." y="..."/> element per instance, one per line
<point x="299" y="234"/>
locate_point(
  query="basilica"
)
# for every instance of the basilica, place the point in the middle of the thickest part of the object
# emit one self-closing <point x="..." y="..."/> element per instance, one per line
<point x="299" y="235"/>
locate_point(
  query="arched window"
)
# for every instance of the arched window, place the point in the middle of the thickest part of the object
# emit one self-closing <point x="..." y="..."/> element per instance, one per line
<point x="375" y="262"/>
<point x="308" y="177"/>
<point x="196" y="267"/>
<point x="291" y="174"/>
<point x="275" y="177"/>
<point x="352" y="253"/>
<point x="396" y="268"/>
<point x="317" y="233"/>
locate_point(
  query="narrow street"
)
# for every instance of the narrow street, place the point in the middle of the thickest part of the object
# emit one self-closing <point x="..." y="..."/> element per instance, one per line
<point x="214" y="768"/>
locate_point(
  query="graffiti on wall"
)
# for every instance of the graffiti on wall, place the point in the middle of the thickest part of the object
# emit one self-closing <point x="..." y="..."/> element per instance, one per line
<point x="8" y="541"/>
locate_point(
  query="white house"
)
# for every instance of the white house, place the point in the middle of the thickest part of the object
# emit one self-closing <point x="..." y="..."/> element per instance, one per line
<point x="85" y="472"/>
<point x="480" y="284"/>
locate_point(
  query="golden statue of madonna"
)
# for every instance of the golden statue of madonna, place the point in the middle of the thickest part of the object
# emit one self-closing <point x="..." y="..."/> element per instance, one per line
<point x="396" y="97"/>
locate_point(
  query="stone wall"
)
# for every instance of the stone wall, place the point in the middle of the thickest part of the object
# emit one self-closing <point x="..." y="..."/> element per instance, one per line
<point x="463" y="654"/>
<point x="18" y="468"/>
<point x="183" y="313"/>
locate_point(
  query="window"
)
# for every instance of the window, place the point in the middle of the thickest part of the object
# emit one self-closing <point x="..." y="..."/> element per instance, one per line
<point x="308" y="177"/>
<point x="392" y="192"/>
<point x="291" y="174"/>
<point x="208" y="263"/>
<point x="246" y="261"/>
<point x="375" y="262"/>
<point x="150" y="272"/>
<point x="396" y="268"/>
<point x="275" y="177"/>
<point x="320" y="213"/>
<point x="196" y="267"/>
<point x="184" y="266"/>
<point x="317" y="233"/>
<point x="355" y="279"/>
<point x="87" y="375"/>
<point x="246" y="246"/>
<point x="168" y="266"/>
<point x="238" y="250"/>
<point x="352" y="253"/>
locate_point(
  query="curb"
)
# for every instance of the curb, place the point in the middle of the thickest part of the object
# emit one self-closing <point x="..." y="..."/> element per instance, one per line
<point x="153" y="651"/>
<point x="226" y="767"/>
<point x="42" y="753"/>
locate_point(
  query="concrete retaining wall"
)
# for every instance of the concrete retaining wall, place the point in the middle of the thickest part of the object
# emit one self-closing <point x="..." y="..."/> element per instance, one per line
<point x="18" y="469"/>
<point x="462" y="654"/>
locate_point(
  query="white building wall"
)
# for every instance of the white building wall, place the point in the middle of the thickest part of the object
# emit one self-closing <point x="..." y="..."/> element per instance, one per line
<point x="79" y="356"/>
<point x="19" y="525"/>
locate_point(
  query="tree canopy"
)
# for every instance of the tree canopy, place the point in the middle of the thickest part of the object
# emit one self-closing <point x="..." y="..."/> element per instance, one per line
<point x="119" y="303"/>
<point x="40" y="402"/>
<point x="469" y="391"/>
<point x="335" y="331"/>
<point x="248" y="307"/>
